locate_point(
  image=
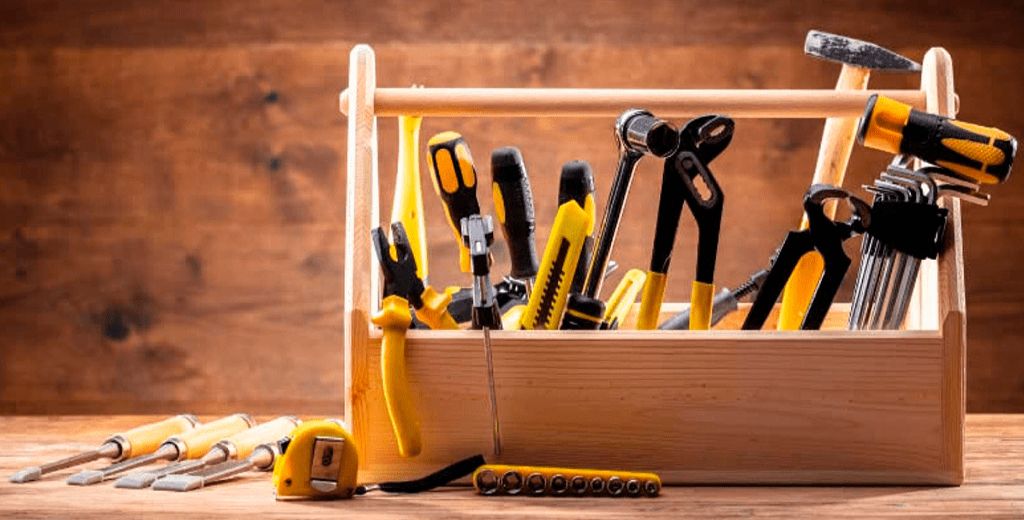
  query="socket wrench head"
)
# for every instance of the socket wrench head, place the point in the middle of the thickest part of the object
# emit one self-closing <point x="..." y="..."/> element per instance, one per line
<point x="638" y="131"/>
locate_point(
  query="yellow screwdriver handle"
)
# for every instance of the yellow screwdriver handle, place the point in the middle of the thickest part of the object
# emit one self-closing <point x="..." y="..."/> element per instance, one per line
<point x="241" y="444"/>
<point x="454" y="178"/>
<point x="434" y="311"/>
<point x="624" y="296"/>
<point x="195" y="443"/>
<point x="394" y="318"/>
<point x="145" y="439"/>
<point x="407" y="206"/>
<point x="981" y="153"/>
<point x="557" y="267"/>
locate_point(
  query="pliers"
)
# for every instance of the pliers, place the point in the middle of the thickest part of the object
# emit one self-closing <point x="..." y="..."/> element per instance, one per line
<point x="686" y="180"/>
<point x="824" y="235"/>
<point x="401" y="288"/>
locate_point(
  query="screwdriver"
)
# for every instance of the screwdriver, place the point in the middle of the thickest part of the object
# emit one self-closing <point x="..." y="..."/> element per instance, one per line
<point x="980" y="153"/>
<point x="188" y="445"/>
<point x="513" y="205"/>
<point x="454" y="178"/>
<point x="577" y="183"/>
<point x="136" y="441"/>
<point x="237" y="446"/>
<point x="407" y="206"/>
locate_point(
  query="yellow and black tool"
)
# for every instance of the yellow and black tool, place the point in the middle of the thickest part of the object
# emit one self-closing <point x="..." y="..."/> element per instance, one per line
<point x="979" y="153"/>
<point x="401" y="288"/>
<point x="577" y="183"/>
<point x="561" y="254"/>
<point x="513" y="205"/>
<point x="454" y="178"/>
<point x="407" y="206"/>
<point x="140" y="440"/>
<point x="687" y="180"/>
<point x="623" y="297"/>
<point x="508" y="480"/>
<point x="320" y="459"/>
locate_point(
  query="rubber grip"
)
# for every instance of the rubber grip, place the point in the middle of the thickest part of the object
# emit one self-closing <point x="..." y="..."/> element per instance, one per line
<point x="242" y="443"/>
<point x="702" y="297"/>
<point x="395" y="319"/>
<point x="799" y="290"/>
<point x="199" y="440"/>
<point x="454" y="178"/>
<point x="145" y="439"/>
<point x="624" y="296"/>
<point x="434" y="311"/>
<point x="650" y="302"/>
<point x="513" y="205"/>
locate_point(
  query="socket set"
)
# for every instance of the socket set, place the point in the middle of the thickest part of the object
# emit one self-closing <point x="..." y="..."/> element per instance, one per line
<point x="498" y="480"/>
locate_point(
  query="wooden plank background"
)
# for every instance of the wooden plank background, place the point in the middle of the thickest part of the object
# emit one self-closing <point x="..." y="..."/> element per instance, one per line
<point x="171" y="173"/>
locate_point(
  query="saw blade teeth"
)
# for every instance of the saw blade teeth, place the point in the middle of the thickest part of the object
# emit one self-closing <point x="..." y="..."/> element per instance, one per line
<point x="553" y="284"/>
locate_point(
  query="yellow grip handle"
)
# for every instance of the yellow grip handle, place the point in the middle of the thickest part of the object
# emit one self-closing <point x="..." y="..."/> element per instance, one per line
<point x="198" y="441"/>
<point x="984" y="154"/>
<point x="454" y="178"/>
<point x="395" y="319"/>
<point x="407" y="206"/>
<point x="145" y="439"/>
<point x="650" y="302"/>
<point x="624" y="295"/>
<point x="799" y="290"/>
<point x="434" y="311"/>
<point x="242" y="443"/>
<point x="701" y="300"/>
<point x="557" y="267"/>
<point x="512" y="319"/>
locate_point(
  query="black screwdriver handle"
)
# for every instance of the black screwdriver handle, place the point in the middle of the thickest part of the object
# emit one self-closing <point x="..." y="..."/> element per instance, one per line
<point x="513" y="204"/>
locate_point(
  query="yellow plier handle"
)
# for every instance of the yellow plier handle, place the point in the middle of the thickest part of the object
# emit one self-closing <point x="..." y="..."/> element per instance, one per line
<point x="394" y="318"/>
<point x="434" y="311"/>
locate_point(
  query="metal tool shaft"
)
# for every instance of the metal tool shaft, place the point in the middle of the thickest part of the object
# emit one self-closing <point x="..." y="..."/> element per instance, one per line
<point x="495" y="424"/>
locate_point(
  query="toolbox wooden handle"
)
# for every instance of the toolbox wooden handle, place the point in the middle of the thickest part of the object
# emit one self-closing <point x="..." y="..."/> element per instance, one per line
<point x="589" y="102"/>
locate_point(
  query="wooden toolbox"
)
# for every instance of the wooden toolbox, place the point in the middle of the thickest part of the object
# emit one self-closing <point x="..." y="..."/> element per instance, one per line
<point x="709" y="407"/>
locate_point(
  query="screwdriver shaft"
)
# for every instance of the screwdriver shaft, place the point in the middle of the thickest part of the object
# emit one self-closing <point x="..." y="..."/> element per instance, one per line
<point x="495" y="424"/>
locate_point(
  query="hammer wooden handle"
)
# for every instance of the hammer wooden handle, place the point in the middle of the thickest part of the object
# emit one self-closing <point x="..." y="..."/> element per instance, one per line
<point x="569" y="102"/>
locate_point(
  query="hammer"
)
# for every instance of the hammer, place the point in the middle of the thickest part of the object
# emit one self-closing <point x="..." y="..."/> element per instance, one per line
<point x="858" y="59"/>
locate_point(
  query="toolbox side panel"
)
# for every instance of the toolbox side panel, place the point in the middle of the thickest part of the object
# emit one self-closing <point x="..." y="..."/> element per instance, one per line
<point x="719" y="407"/>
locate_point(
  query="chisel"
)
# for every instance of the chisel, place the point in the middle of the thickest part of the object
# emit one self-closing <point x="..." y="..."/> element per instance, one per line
<point x="262" y="458"/>
<point x="190" y="444"/>
<point x="136" y="441"/>
<point x="237" y="446"/>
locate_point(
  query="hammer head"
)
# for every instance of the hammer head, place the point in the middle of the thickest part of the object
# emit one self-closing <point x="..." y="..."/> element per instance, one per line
<point x="858" y="53"/>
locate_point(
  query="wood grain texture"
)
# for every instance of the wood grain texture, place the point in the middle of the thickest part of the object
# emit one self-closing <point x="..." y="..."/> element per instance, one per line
<point x="171" y="175"/>
<point x="993" y="488"/>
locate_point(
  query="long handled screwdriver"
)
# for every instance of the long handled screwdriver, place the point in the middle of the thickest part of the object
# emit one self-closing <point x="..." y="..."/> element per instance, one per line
<point x="262" y="458"/>
<point x="454" y="178"/>
<point x="190" y="444"/>
<point x="513" y="205"/>
<point x="136" y="441"/>
<point x="407" y="206"/>
<point x="237" y="446"/>
<point x="637" y="133"/>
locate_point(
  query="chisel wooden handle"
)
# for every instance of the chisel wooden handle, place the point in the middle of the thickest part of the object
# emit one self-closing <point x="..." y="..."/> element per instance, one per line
<point x="196" y="442"/>
<point x="145" y="439"/>
<point x="241" y="444"/>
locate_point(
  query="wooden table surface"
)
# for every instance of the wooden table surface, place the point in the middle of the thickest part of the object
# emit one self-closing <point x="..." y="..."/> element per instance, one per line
<point x="994" y="488"/>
